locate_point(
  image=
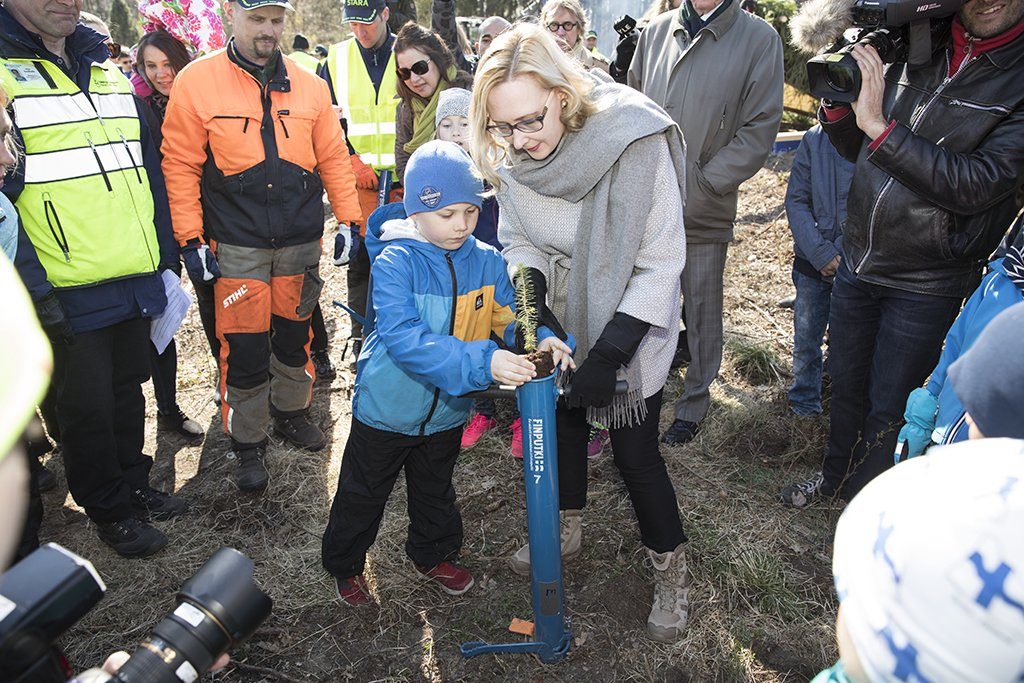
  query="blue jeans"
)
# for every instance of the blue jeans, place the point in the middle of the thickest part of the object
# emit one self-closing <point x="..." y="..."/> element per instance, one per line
<point x="810" y="317"/>
<point x="883" y="343"/>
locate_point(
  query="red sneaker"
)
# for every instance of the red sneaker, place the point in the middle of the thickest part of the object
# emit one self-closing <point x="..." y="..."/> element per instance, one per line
<point x="353" y="591"/>
<point x="477" y="427"/>
<point x="517" y="438"/>
<point x="452" y="578"/>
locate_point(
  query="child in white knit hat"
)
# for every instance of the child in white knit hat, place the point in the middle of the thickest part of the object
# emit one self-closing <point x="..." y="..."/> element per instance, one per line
<point x="929" y="568"/>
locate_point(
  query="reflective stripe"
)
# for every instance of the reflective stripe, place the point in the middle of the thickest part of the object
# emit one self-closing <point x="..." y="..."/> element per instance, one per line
<point x="384" y="128"/>
<point x="383" y="160"/>
<point x="116" y="105"/>
<point x="33" y="112"/>
<point x="77" y="163"/>
<point x="339" y="72"/>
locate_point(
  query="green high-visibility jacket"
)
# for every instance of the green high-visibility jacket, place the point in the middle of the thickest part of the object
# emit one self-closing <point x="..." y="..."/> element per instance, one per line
<point x="86" y="203"/>
<point x="370" y="113"/>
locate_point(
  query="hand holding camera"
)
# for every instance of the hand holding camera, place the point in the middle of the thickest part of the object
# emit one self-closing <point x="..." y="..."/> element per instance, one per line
<point x="51" y="589"/>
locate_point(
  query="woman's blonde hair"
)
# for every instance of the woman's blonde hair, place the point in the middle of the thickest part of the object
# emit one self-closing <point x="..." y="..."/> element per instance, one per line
<point x="656" y="7"/>
<point x="9" y="140"/>
<point x="574" y="7"/>
<point x="525" y="50"/>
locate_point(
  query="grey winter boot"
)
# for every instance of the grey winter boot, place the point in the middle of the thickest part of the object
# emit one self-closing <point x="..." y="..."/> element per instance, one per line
<point x="571" y="532"/>
<point x="667" y="621"/>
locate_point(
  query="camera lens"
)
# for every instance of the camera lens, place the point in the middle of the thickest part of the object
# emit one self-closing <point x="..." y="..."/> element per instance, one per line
<point x="218" y="607"/>
<point x="839" y="77"/>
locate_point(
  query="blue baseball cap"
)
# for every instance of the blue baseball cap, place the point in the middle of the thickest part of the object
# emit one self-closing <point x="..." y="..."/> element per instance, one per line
<point x="439" y="174"/>
<point x="364" y="11"/>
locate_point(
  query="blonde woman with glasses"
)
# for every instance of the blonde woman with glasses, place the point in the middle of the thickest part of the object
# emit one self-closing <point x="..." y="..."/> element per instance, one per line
<point x="588" y="178"/>
<point x="567" y="22"/>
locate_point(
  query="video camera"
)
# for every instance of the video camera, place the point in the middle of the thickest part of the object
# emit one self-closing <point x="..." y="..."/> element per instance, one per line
<point x="899" y="30"/>
<point x="51" y="589"/>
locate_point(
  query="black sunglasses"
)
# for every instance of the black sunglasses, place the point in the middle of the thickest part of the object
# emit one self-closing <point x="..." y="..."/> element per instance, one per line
<point x="419" y="68"/>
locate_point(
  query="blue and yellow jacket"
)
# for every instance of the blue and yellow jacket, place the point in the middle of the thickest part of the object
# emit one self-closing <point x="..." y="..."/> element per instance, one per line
<point x="438" y="313"/>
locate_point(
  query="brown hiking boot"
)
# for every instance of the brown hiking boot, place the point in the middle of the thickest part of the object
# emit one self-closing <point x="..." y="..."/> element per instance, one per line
<point x="300" y="432"/>
<point x="571" y="533"/>
<point x="671" y="608"/>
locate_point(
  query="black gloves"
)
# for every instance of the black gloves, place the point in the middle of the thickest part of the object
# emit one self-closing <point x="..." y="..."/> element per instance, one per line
<point x="623" y="56"/>
<point x="593" y="384"/>
<point x="538" y="302"/>
<point x="54" y="320"/>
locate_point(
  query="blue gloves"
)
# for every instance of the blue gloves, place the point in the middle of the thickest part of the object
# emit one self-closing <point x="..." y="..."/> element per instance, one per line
<point x="347" y="244"/>
<point x="915" y="436"/>
<point x="200" y="262"/>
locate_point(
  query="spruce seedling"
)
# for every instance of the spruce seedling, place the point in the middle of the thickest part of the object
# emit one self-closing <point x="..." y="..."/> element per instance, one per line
<point x="526" y="310"/>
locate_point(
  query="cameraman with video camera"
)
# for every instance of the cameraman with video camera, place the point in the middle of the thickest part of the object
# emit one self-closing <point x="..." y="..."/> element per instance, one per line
<point x="939" y="153"/>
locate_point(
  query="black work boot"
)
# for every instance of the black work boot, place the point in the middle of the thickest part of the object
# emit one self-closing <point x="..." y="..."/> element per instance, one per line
<point x="325" y="371"/>
<point x="251" y="474"/>
<point x="300" y="432"/>
<point x="132" y="537"/>
<point x="148" y="503"/>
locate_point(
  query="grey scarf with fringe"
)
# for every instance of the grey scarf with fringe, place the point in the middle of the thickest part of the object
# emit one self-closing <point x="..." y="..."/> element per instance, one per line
<point x="585" y="167"/>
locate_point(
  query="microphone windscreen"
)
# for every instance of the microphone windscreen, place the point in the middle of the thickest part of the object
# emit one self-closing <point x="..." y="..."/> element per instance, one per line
<point x="820" y="23"/>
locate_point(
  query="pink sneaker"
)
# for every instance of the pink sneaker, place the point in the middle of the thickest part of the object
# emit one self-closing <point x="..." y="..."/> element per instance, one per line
<point x="596" y="444"/>
<point x="477" y="427"/>
<point x="517" y="438"/>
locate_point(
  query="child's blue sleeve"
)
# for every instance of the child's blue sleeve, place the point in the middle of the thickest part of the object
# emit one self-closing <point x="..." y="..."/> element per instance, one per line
<point x="454" y="366"/>
<point x="959" y="337"/>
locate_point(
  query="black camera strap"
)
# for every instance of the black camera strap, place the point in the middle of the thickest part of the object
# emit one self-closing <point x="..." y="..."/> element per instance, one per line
<point x="919" y="35"/>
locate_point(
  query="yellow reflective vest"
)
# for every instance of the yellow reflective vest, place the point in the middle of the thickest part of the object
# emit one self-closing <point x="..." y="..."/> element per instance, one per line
<point x="370" y="114"/>
<point x="86" y="205"/>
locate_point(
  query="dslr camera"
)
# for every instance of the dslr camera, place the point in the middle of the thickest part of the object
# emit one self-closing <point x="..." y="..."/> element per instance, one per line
<point x="899" y="30"/>
<point x="47" y="592"/>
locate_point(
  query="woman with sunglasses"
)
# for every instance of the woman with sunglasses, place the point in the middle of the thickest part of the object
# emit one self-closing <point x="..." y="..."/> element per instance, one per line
<point x="567" y="22"/>
<point x="426" y="67"/>
<point x="589" y="178"/>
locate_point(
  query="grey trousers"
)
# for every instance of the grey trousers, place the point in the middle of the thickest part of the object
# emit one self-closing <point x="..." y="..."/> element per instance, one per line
<point x="702" y="299"/>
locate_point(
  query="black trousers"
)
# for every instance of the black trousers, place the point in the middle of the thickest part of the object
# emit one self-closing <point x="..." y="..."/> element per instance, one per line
<point x="205" y="300"/>
<point x="319" y="327"/>
<point x="164" y="367"/>
<point x="358" y="276"/>
<point x="371" y="464"/>
<point x="101" y="410"/>
<point x="636" y="454"/>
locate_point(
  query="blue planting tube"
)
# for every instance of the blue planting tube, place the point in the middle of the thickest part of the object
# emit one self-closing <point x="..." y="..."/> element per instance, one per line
<point x="540" y="460"/>
<point x="552" y="637"/>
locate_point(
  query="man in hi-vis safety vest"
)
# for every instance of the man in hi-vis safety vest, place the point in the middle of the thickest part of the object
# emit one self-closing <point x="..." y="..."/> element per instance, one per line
<point x="361" y="72"/>
<point x="250" y="144"/>
<point x="93" y="206"/>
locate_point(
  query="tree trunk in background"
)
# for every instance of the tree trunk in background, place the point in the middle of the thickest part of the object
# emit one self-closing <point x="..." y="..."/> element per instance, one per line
<point x="125" y="26"/>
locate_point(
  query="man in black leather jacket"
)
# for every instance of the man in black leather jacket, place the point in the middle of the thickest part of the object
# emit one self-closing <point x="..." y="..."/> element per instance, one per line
<point x="940" y="167"/>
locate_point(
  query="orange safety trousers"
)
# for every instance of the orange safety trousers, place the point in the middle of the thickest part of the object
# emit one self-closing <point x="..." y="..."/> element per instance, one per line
<point x="264" y="300"/>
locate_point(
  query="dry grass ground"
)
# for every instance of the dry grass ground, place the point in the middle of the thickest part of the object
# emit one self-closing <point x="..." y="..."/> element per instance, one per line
<point x="762" y="602"/>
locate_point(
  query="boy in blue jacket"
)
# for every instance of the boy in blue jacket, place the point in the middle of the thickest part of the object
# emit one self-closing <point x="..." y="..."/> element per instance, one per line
<point x="935" y="414"/>
<point x="440" y="297"/>
<point x="816" y="208"/>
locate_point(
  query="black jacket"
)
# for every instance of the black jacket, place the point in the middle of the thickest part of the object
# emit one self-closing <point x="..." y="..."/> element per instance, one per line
<point x="929" y="205"/>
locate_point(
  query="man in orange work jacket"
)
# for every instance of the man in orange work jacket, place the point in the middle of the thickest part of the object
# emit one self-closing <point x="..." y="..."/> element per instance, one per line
<point x="250" y="142"/>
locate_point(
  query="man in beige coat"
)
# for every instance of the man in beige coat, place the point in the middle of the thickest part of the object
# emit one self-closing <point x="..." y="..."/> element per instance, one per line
<point x="718" y="73"/>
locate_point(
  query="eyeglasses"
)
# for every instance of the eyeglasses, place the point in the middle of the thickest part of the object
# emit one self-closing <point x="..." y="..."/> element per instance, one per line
<point x="114" y="49"/>
<point x="566" y="26"/>
<point x="419" y="68"/>
<point x="530" y="125"/>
